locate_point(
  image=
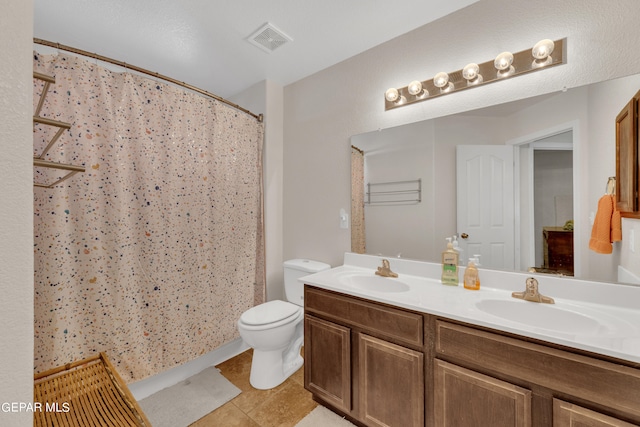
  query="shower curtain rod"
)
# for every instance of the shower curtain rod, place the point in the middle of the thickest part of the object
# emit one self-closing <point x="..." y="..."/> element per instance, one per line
<point x="59" y="46"/>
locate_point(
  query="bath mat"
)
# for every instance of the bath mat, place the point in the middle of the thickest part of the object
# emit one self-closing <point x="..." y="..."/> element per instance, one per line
<point x="186" y="402"/>
<point x="323" y="417"/>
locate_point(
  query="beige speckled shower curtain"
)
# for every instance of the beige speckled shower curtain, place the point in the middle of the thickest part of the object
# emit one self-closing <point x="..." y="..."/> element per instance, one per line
<point x="154" y="252"/>
<point x="358" y="237"/>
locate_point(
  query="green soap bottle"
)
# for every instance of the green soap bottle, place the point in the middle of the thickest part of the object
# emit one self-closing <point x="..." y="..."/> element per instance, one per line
<point x="450" y="265"/>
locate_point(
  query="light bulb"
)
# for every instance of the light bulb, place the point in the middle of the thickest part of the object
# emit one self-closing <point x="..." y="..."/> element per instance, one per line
<point x="503" y="64"/>
<point x="392" y="95"/>
<point x="542" y="49"/>
<point x="542" y="53"/>
<point x="471" y="73"/>
<point x="441" y="79"/>
<point x="415" y="88"/>
<point x="503" y="61"/>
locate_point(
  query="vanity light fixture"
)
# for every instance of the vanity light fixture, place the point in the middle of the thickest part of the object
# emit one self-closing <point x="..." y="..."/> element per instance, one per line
<point x="544" y="54"/>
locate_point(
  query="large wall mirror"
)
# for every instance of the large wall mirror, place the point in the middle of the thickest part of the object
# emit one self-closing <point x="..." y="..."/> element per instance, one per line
<point x="412" y="187"/>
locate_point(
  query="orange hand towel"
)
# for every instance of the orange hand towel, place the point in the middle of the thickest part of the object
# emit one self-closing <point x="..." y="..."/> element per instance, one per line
<point x="607" y="226"/>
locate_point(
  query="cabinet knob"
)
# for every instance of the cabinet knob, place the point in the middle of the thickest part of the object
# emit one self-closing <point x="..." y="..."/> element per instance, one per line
<point x="464" y="235"/>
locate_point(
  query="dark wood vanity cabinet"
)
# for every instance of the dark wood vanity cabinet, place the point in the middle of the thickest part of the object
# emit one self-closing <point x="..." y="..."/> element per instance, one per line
<point x="534" y="384"/>
<point x="364" y="359"/>
<point x="384" y="366"/>
<point x="627" y="165"/>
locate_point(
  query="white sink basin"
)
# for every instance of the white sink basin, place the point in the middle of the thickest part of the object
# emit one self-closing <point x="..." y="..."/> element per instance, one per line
<point x="375" y="283"/>
<point x="538" y="315"/>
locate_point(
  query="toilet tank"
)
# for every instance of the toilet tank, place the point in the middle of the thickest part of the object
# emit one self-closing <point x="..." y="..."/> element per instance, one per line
<point x="293" y="270"/>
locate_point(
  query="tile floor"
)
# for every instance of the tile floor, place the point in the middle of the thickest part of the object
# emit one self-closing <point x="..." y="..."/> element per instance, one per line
<point x="283" y="406"/>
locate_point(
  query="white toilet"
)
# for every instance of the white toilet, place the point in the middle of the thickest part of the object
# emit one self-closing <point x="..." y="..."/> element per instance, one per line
<point x="275" y="329"/>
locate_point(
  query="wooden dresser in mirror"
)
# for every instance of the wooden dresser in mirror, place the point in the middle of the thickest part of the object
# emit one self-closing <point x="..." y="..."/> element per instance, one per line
<point x="558" y="250"/>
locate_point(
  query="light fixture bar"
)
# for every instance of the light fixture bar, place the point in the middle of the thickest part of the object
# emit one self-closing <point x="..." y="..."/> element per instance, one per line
<point x="523" y="62"/>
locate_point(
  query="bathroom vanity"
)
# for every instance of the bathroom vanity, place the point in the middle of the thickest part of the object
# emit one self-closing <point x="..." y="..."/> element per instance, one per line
<point x="412" y="352"/>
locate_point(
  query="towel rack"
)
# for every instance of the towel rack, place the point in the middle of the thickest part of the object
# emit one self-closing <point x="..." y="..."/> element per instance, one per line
<point x="38" y="161"/>
<point x="394" y="193"/>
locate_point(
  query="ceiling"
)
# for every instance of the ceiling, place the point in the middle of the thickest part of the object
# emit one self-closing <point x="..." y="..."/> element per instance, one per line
<point x="204" y="42"/>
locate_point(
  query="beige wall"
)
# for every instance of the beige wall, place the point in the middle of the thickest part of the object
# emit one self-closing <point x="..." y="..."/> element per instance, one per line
<point x="16" y="210"/>
<point x="322" y="111"/>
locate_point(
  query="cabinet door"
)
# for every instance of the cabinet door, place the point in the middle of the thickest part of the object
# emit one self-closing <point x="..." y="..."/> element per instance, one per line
<point x="327" y="368"/>
<point x="626" y="158"/>
<point x="391" y="384"/>
<point x="566" y="414"/>
<point x="464" y="398"/>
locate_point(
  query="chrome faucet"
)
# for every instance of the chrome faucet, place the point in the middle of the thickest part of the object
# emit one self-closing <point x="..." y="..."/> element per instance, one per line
<point x="532" y="294"/>
<point x="385" y="270"/>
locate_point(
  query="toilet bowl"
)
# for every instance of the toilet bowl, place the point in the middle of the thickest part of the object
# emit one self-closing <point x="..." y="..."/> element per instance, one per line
<point x="275" y="329"/>
<point x="275" y="334"/>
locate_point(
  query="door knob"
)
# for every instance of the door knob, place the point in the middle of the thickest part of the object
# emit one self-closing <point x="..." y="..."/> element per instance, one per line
<point x="464" y="235"/>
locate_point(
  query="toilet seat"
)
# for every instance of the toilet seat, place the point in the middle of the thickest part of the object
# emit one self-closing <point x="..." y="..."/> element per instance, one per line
<point x="269" y="312"/>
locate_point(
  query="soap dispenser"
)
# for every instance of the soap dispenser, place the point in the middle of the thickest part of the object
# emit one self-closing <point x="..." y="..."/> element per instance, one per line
<point x="450" y="265"/>
<point x="471" y="276"/>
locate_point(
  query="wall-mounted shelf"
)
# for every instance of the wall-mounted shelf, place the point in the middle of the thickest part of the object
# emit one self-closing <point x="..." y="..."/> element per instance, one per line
<point x="394" y="193"/>
<point x="38" y="161"/>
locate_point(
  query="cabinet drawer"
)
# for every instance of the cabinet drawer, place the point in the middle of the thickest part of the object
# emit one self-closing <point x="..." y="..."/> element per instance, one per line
<point x="401" y="325"/>
<point x="602" y="383"/>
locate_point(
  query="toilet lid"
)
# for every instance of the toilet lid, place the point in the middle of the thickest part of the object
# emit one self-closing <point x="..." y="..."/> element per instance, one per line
<point x="269" y="312"/>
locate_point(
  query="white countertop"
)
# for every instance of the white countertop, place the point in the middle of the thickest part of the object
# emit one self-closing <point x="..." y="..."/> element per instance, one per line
<point x="598" y="317"/>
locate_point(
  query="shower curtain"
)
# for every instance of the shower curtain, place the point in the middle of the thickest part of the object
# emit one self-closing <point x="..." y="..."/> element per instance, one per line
<point x="358" y="236"/>
<point x="154" y="252"/>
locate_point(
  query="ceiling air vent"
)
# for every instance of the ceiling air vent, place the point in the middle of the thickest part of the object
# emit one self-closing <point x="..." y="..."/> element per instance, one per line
<point x="269" y="38"/>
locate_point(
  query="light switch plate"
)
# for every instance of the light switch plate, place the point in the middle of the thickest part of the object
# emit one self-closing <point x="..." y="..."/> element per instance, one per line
<point x="344" y="219"/>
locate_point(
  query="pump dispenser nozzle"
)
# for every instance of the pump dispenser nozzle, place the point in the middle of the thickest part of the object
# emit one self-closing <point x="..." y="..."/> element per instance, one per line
<point x="457" y="248"/>
<point x="477" y="259"/>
